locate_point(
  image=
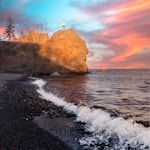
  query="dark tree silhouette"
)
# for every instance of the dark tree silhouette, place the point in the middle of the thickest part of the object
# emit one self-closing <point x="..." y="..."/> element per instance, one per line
<point x="9" y="29"/>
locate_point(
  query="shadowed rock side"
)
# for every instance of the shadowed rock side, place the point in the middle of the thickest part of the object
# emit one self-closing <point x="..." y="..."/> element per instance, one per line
<point x="67" y="49"/>
<point x="23" y="58"/>
<point x="65" y="52"/>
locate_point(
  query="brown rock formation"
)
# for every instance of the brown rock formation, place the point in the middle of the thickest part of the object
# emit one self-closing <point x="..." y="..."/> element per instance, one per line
<point x="65" y="52"/>
<point x="34" y="37"/>
<point x="18" y="57"/>
<point x="66" y="49"/>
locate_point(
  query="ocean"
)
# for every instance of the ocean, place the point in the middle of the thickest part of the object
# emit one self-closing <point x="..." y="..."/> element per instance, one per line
<point x="113" y="104"/>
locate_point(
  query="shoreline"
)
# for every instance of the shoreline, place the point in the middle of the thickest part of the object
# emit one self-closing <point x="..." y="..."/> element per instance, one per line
<point x="23" y="114"/>
<point x="30" y="122"/>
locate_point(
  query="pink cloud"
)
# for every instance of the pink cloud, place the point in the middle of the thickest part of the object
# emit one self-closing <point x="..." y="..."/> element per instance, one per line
<point x="21" y="20"/>
<point x="127" y="31"/>
<point x="2" y="29"/>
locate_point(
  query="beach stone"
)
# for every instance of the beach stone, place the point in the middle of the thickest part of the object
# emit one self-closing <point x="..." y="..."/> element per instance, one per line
<point x="55" y="74"/>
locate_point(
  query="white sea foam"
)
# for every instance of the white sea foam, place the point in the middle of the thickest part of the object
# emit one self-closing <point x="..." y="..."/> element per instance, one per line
<point x="113" y="133"/>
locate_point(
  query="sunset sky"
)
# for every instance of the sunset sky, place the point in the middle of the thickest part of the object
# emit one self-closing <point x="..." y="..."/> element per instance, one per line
<point x="117" y="32"/>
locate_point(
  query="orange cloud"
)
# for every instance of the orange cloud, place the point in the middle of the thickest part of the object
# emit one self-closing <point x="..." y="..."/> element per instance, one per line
<point x="134" y="42"/>
<point x="134" y="5"/>
<point x="127" y="33"/>
<point x="128" y="11"/>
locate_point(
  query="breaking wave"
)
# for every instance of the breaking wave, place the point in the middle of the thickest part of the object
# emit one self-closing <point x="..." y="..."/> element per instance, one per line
<point x="106" y="132"/>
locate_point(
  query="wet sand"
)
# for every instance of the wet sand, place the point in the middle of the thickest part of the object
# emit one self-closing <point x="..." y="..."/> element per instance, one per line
<point x="28" y="122"/>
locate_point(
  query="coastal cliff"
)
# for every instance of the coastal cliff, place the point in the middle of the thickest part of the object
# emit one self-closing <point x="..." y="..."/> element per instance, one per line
<point x="65" y="52"/>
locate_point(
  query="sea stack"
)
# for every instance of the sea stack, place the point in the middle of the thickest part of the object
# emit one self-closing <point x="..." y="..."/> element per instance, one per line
<point x="67" y="49"/>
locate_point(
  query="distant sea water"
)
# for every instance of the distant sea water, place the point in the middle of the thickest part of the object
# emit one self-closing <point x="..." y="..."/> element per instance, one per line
<point x="113" y="104"/>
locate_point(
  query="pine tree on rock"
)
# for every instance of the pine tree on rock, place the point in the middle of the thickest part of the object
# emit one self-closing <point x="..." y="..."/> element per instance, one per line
<point x="9" y="30"/>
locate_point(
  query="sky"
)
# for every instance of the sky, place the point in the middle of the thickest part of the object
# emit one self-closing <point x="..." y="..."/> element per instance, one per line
<point x="117" y="32"/>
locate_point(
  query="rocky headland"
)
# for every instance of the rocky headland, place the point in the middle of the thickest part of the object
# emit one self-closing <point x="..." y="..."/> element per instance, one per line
<point x="36" y="53"/>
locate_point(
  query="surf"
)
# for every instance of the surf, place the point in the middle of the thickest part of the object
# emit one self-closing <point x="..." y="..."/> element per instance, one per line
<point x="105" y="131"/>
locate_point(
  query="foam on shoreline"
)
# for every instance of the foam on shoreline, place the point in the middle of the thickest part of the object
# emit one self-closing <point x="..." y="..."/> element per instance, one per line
<point x="111" y="132"/>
